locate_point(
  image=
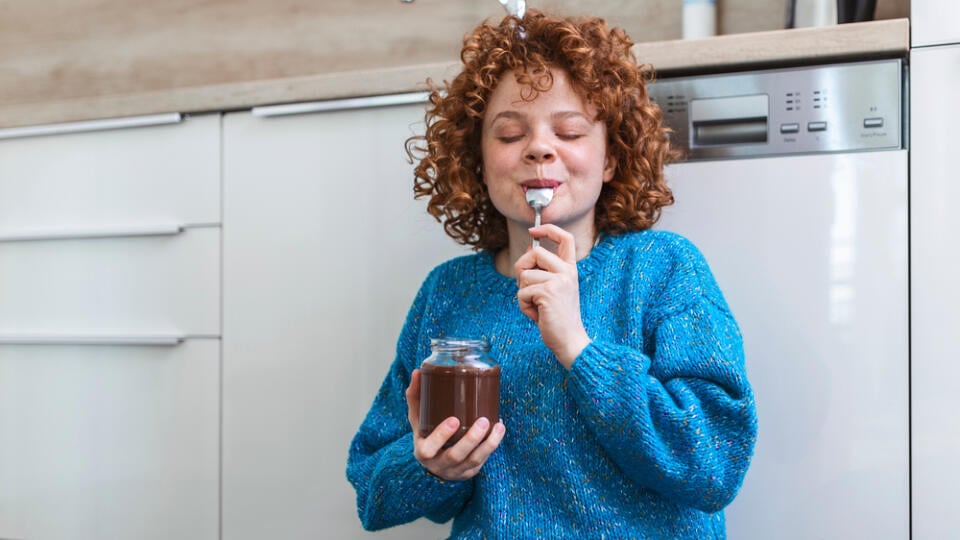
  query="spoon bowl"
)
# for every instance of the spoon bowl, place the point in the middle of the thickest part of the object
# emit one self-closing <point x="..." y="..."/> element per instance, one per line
<point x="538" y="199"/>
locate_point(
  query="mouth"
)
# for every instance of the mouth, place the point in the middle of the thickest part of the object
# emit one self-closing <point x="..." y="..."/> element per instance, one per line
<point x="540" y="183"/>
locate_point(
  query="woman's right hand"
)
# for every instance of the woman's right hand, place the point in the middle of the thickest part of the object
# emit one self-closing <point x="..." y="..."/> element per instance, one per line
<point x="464" y="459"/>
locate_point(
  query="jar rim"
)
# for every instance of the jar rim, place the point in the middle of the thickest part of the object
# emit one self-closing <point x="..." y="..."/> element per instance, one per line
<point x="459" y="343"/>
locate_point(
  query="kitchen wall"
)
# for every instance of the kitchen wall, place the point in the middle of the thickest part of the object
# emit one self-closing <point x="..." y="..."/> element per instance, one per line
<point x="55" y="51"/>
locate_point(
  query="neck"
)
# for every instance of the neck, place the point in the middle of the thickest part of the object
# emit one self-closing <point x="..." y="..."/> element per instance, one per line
<point x="520" y="241"/>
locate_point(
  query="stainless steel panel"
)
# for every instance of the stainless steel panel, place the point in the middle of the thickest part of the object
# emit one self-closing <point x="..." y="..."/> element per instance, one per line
<point x="829" y="105"/>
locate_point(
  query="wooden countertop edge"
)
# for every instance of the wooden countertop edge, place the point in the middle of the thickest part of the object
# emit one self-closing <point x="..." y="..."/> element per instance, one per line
<point x="720" y="53"/>
<point x="228" y="96"/>
<point x="801" y="45"/>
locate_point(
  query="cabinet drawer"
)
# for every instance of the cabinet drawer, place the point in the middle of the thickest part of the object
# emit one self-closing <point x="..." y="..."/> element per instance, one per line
<point x="112" y="179"/>
<point x="112" y="286"/>
<point x="110" y="442"/>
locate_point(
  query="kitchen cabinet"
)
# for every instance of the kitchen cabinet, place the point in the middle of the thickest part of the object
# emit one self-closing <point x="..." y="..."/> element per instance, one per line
<point x="111" y="180"/>
<point x="820" y="328"/>
<point x="935" y="292"/>
<point x="109" y="442"/>
<point x="166" y="285"/>
<point x="934" y="22"/>
<point x="109" y="333"/>
<point x="324" y="249"/>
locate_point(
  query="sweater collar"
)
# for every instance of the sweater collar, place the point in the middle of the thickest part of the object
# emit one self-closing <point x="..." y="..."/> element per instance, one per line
<point x="487" y="275"/>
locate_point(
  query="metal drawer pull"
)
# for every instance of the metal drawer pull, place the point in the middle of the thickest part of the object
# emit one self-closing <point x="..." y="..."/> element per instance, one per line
<point x="152" y="340"/>
<point x="91" y="125"/>
<point x="341" y="104"/>
<point x="71" y="234"/>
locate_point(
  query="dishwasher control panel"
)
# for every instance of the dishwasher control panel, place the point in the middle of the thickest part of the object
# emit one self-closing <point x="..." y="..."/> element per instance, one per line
<point x="831" y="108"/>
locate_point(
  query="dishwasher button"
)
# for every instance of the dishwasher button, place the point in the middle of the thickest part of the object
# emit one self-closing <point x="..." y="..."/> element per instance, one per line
<point x="873" y="122"/>
<point x="816" y="126"/>
<point x="789" y="128"/>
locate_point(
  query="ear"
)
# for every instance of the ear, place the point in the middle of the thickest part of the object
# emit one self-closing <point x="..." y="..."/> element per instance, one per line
<point x="609" y="167"/>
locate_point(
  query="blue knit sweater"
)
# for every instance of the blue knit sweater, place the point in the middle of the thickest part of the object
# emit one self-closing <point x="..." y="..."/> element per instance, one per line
<point x="648" y="435"/>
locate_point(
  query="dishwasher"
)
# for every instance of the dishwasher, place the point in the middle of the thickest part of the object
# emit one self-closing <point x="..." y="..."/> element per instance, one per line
<point x="793" y="184"/>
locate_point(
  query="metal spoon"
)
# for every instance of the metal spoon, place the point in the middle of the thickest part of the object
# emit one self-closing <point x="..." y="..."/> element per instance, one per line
<point x="515" y="7"/>
<point x="538" y="199"/>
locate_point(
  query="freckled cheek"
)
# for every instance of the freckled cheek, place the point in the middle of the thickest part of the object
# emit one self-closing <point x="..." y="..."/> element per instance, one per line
<point x="578" y="165"/>
<point x="588" y="162"/>
<point x="497" y="175"/>
<point x="498" y="168"/>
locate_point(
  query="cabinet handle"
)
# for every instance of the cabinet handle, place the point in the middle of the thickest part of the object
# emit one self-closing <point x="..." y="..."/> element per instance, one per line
<point x="341" y="104"/>
<point x="72" y="234"/>
<point x="151" y="340"/>
<point x="91" y="125"/>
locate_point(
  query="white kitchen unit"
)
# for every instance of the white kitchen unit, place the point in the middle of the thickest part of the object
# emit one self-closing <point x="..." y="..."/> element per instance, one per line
<point x="109" y="442"/>
<point x="796" y="192"/>
<point x="109" y="181"/>
<point x="324" y="250"/>
<point x="934" y="22"/>
<point x="156" y="285"/>
<point x="934" y="290"/>
<point x="109" y="332"/>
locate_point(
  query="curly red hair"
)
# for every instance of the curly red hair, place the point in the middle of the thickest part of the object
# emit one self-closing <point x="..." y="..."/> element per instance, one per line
<point x="602" y="70"/>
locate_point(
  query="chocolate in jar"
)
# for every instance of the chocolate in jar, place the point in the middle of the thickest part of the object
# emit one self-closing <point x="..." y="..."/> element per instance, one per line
<point x="458" y="380"/>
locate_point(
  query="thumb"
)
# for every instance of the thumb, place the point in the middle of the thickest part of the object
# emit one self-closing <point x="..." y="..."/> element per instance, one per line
<point x="413" y="402"/>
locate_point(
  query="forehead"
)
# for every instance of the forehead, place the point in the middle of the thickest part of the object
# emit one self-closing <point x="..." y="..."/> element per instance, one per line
<point x="511" y="94"/>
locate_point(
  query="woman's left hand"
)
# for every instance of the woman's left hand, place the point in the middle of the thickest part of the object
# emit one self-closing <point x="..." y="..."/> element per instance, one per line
<point x="550" y="293"/>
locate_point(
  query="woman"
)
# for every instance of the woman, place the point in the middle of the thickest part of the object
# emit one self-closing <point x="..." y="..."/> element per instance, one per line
<point x="626" y="408"/>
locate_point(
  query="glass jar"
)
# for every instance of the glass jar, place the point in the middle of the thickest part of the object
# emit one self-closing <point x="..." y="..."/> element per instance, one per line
<point x="458" y="379"/>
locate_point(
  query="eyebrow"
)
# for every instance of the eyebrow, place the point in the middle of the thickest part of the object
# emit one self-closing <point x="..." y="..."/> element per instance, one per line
<point x="559" y="115"/>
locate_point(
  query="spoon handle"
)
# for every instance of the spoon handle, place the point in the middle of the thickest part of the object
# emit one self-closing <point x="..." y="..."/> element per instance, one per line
<point x="536" y="223"/>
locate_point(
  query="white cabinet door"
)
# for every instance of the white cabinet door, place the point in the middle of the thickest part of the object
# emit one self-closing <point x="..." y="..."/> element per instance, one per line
<point x="106" y="237"/>
<point x="115" y="286"/>
<point x="324" y="250"/>
<point x="811" y="254"/>
<point x="934" y="22"/>
<point x="106" y="443"/>
<point x="112" y="180"/>
<point x="935" y="291"/>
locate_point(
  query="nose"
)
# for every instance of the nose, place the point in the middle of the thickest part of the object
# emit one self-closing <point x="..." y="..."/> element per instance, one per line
<point x="539" y="150"/>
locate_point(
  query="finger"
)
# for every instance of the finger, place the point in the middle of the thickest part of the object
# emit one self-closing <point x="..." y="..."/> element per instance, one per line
<point x="413" y="402"/>
<point x="543" y="259"/>
<point x="430" y="446"/>
<point x="566" y="245"/>
<point x="538" y="258"/>
<point x="489" y="444"/>
<point x="527" y="261"/>
<point x="465" y="446"/>
<point x="470" y="466"/>
<point x="527" y="300"/>
<point x="534" y="276"/>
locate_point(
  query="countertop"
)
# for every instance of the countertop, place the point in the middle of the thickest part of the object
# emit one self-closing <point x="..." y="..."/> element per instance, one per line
<point x="876" y="39"/>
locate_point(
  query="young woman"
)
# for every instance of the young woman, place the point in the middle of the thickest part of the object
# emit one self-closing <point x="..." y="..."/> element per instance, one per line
<point x="626" y="411"/>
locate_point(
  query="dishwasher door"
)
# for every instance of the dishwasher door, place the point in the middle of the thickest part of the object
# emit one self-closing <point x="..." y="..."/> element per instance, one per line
<point x="811" y="253"/>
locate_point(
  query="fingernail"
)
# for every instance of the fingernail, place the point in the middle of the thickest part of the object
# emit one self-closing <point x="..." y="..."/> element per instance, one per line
<point x="499" y="429"/>
<point x="451" y="422"/>
<point x="483" y="423"/>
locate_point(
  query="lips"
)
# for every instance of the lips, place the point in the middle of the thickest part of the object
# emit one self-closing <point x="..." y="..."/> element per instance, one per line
<point x="540" y="183"/>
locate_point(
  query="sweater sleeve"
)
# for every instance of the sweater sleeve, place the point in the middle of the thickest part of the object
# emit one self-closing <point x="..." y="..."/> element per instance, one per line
<point x="682" y="422"/>
<point x="392" y="487"/>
